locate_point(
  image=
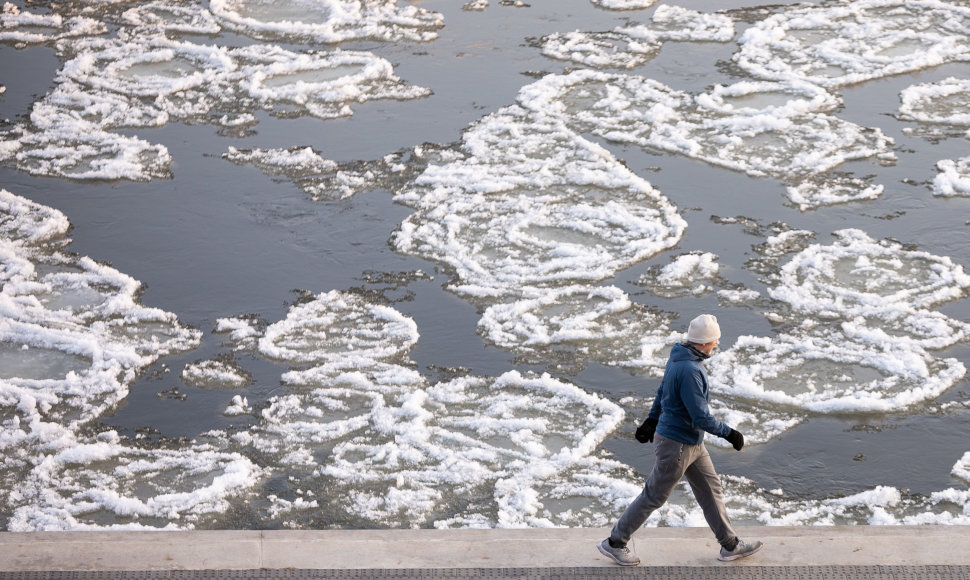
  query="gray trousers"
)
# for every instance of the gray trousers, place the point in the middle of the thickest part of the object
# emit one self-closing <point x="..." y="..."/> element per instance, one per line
<point x="674" y="461"/>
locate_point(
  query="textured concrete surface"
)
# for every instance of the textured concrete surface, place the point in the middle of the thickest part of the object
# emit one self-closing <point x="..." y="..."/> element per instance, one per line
<point x="805" y="547"/>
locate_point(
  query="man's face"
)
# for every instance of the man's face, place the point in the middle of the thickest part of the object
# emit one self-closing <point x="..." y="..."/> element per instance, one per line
<point x="709" y="347"/>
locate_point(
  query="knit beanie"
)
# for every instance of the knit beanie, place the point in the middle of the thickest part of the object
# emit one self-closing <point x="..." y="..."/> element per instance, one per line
<point x="703" y="329"/>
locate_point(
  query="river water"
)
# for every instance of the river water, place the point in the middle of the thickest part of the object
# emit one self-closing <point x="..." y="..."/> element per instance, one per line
<point x="419" y="264"/>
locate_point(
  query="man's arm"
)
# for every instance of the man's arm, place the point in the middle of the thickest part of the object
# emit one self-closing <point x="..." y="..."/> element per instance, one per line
<point x="646" y="429"/>
<point x="657" y="406"/>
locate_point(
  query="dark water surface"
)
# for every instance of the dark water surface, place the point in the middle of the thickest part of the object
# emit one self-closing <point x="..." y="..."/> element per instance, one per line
<point x="220" y="240"/>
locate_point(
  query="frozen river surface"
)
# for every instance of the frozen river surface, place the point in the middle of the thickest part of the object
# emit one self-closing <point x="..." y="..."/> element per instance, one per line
<point x="377" y="263"/>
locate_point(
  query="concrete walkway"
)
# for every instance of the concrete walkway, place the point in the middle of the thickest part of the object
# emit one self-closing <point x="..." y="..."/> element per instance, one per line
<point x="796" y="552"/>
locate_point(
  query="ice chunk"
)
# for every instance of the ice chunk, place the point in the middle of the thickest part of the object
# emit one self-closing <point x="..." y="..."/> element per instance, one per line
<point x="475" y="5"/>
<point x="624" y="4"/>
<point x="153" y="17"/>
<point x="329" y="404"/>
<point x="107" y="485"/>
<point x="371" y="439"/>
<point x="569" y="326"/>
<point x="72" y="329"/>
<point x="953" y="178"/>
<point x="24" y="222"/>
<point x="832" y="188"/>
<point x="328" y="21"/>
<point x="880" y="505"/>
<point x="822" y="373"/>
<point x="25" y="28"/>
<point x="473" y="437"/>
<point x="73" y="337"/>
<point x="84" y="151"/>
<point x="961" y="468"/>
<point x="325" y="179"/>
<point x="687" y="274"/>
<point x="220" y="373"/>
<point x="785" y="134"/>
<point x="321" y="178"/>
<point x="238" y="406"/>
<point x="857" y="275"/>
<point x="340" y="327"/>
<point x="851" y="42"/>
<point x="944" y="101"/>
<point x="323" y="84"/>
<point x="148" y="81"/>
<point x="630" y="46"/>
<point x="533" y="205"/>
<point x="244" y="332"/>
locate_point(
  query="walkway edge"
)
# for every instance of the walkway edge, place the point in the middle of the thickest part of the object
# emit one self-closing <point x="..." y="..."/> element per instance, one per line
<point x="429" y="549"/>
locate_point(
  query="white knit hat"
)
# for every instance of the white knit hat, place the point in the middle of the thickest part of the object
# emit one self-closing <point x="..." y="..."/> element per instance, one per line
<point x="703" y="329"/>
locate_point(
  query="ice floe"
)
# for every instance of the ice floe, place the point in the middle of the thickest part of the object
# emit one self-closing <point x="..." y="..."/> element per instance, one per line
<point x="881" y="505"/>
<point x="168" y="18"/>
<point x="475" y="5"/>
<point x="953" y="178"/>
<point x="533" y="205"/>
<point x="73" y="338"/>
<point x="838" y="44"/>
<point x="145" y="79"/>
<point x="943" y="102"/>
<point x="328" y="21"/>
<point x="855" y="329"/>
<point x="342" y="329"/>
<point x="105" y="484"/>
<point x="26" y="28"/>
<point x="775" y="129"/>
<point x="630" y="46"/>
<point x="941" y="109"/>
<point x="624" y="4"/>
<point x="829" y="374"/>
<point x="860" y="276"/>
<point x="238" y="406"/>
<point x="220" y="373"/>
<point x="324" y="179"/>
<point x="687" y="274"/>
<point x="566" y="327"/>
<point x="372" y="440"/>
<point x="72" y="331"/>
<point x="529" y="216"/>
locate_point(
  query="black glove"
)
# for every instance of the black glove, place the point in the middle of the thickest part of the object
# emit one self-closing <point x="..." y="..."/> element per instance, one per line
<point x="645" y="431"/>
<point x="736" y="439"/>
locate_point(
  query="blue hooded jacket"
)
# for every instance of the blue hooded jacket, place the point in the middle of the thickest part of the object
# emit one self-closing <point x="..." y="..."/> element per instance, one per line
<point x="681" y="405"/>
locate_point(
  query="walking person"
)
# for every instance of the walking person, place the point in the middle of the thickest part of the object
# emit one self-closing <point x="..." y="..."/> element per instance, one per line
<point x="678" y="419"/>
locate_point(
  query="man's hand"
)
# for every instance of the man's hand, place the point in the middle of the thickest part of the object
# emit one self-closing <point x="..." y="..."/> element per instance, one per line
<point x="736" y="439"/>
<point x="645" y="431"/>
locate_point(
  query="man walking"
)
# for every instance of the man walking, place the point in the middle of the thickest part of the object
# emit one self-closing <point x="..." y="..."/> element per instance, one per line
<point x="678" y="420"/>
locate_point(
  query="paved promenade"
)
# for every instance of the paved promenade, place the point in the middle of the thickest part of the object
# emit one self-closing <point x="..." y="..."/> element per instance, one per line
<point x="849" y="552"/>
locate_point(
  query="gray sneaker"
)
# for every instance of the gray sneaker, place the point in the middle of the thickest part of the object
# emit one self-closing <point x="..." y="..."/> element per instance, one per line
<point x="742" y="550"/>
<point x="622" y="556"/>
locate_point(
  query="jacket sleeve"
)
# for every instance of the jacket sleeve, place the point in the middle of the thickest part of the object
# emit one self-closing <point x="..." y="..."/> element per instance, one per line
<point x="693" y="388"/>
<point x="657" y="406"/>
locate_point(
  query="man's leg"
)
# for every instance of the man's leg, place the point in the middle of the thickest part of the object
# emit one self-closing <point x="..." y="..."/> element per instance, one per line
<point x="706" y="486"/>
<point x="667" y="471"/>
